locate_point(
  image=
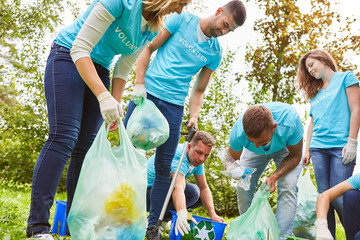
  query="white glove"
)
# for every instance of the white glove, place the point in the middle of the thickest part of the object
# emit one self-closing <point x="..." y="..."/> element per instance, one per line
<point x="139" y="89"/>
<point x="182" y="225"/>
<point x="111" y="109"/>
<point x="349" y="151"/>
<point x="322" y="231"/>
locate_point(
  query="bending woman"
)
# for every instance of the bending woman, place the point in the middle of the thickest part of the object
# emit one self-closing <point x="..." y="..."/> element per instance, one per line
<point x="77" y="83"/>
<point x="350" y="189"/>
<point x="334" y="124"/>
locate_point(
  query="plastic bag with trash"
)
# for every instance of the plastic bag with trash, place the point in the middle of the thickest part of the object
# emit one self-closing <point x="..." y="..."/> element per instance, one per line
<point x="236" y="171"/>
<point x="147" y="127"/>
<point x="258" y="222"/>
<point x="306" y="207"/>
<point x="109" y="201"/>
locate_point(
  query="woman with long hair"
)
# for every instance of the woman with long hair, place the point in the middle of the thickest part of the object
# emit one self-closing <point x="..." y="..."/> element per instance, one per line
<point x="77" y="84"/>
<point x="331" y="137"/>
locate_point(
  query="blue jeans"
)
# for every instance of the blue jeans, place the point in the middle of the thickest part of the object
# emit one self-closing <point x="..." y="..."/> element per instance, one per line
<point x="287" y="187"/>
<point x="351" y="214"/>
<point x="74" y="120"/>
<point x="192" y="196"/>
<point x="164" y="154"/>
<point x="329" y="171"/>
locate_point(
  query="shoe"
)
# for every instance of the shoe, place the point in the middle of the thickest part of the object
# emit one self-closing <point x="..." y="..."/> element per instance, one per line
<point x="153" y="233"/>
<point x="42" y="236"/>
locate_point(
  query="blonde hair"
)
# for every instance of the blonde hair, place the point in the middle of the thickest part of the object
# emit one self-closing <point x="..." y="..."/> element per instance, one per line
<point x="308" y="83"/>
<point x="155" y="7"/>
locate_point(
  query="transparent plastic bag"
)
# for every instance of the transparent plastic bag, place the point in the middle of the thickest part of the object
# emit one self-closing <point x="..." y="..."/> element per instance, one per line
<point x="236" y="171"/>
<point x="306" y="207"/>
<point x="258" y="222"/>
<point x="147" y="127"/>
<point x="109" y="201"/>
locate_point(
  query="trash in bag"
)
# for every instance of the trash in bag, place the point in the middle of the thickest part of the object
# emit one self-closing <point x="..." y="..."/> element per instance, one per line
<point x="258" y="222"/>
<point x="109" y="201"/>
<point x="147" y="127"/>
<point x="306" y="207"/>
<point x="236" y="171"/>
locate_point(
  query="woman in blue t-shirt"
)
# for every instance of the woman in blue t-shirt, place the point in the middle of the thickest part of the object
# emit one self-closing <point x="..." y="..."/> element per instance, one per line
<point x="334" y="124"/>
<point x="350" y="189"/>
<point x="77" y="83"/>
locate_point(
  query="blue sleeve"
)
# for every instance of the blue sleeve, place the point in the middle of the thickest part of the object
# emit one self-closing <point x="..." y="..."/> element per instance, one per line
<point x="213" y="65"/>
<point x="173" y="23"/>
<point x="350" y="79"/>
<point x="355" y="181"/>
<point x="116" y="7"/>
<point x="297" y="133"/>
<point x="199" y="170"/>
<point x="234" y="138"/>
<point x="184" y="166"/>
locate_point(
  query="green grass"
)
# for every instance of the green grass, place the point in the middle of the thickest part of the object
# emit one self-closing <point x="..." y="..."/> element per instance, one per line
<point x="14" y="211"/>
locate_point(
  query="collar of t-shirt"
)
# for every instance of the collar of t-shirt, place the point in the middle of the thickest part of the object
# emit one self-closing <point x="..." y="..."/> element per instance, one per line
<point x="144" y="24"/>
<point x="201" y="36"/>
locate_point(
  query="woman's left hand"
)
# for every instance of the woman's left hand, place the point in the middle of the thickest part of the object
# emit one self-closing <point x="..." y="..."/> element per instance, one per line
<point x="113" y="126"/>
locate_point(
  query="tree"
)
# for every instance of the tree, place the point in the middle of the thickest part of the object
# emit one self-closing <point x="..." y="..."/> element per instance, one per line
<point x="23" y="124"/>
<point x="218" y="114"/>
<point x="286" y="34"/>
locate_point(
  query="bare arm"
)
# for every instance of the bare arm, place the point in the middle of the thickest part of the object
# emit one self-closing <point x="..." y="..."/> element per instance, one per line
<point x="324" y="199"/>
<point x="287" y="164"/>
<point x="235" y="154"/>
<point x="353" y="95"/>
<point x="178" y="194"/>
<point x="206" y="197"/>
<point x="196" y="98"/>
<point x="306" y="158"/>
<point x="144" y="59"/>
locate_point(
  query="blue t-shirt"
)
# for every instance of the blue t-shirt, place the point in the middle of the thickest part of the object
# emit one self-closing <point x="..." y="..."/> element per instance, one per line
<point x="355" y="181"/>
<point x="185" y="168"/>
<point x="289" y="130"/>
<point x="169" y="75"/>
<point x="331" y="113"/>
<point x="124" y="35"/>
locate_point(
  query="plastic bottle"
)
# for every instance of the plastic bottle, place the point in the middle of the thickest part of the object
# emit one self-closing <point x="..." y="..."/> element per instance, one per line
<point x="190" y="234"/>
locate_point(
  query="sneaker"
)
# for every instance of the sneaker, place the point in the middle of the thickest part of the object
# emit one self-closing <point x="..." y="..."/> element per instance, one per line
<point x="153" y="233"/>
<point x="42" y="236"/>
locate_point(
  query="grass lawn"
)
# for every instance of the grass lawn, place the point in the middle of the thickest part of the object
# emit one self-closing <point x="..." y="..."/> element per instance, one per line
<point x="14" y="211"/>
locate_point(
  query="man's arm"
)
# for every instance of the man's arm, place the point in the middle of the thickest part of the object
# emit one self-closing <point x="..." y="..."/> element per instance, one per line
<point x="287" y="164"/>
<point x="178" y="194"/>
<point x="144" y="59"/>
<point x="196" y="98"/>
<point x="206" y="198"/>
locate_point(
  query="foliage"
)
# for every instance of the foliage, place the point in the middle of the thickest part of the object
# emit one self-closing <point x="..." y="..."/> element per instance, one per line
<point x="217" y="116"/>
<point x="286" y="34"/>
<point x="23" y="125"/>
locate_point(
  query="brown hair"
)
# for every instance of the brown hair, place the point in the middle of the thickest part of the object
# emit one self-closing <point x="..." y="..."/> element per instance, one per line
<point x="238" y="11"/>
<point x="156" y="20"/>
<point x="205" y="137"/>
<point x="308" y="83"/>
<point x="256" y="119"/>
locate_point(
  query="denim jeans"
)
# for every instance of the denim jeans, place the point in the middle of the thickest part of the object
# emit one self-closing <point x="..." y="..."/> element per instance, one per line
<point x="74" y="119"/>
<point x="351" y="214"/>
<point x="192" y="197"/>
<point x="164" y="154"/>
<point x="329" y="171"/>
<point x="287" y="187"/>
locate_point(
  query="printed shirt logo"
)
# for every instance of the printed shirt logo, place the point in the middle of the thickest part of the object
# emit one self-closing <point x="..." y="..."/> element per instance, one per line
<point x="124" y="39"/>
<point x="192" y="50"/>
<point x="325" y="96"/>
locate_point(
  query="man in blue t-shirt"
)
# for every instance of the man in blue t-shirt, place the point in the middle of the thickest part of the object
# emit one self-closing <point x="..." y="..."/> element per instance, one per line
<point x="187" y="195"/>
<point x="270" y="131"/>
<point x="186" y="46"/>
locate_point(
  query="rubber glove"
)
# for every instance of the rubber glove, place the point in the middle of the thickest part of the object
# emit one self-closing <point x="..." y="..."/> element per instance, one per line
<point x="322" y="231"/>
<point x="139" y="89"/>
<point x="182" y="225"/>
<point x="349" y="151"/>
<point x="110" y="109"/>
